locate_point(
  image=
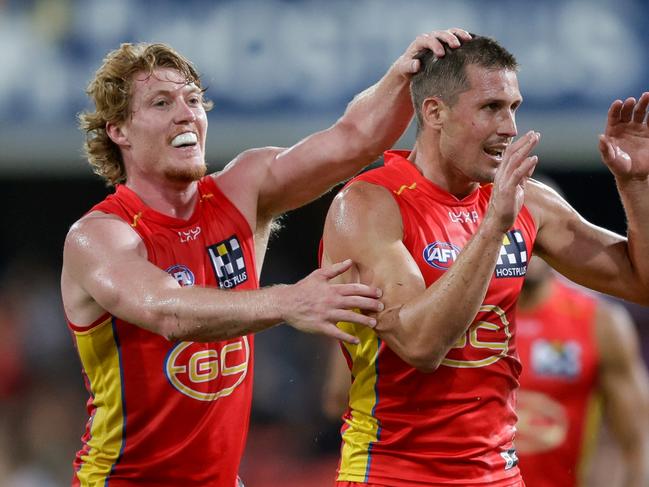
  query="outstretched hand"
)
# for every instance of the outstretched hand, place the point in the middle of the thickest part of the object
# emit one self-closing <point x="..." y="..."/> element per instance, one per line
<point x="509" y="183"/>
<point x="408" y="64"/>
<point x="624" y="146"/>
<point x="316" y="305"/>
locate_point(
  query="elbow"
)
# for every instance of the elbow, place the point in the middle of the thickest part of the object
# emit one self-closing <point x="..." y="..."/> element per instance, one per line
<point x="163" y="320"/>
<point x="424" y="360"/>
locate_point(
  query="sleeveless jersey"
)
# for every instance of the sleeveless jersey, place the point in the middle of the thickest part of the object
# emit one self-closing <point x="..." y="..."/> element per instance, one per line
<point x="454" y="426"/>
<point x="165" y="413"/>
<point x="558" y="405"/>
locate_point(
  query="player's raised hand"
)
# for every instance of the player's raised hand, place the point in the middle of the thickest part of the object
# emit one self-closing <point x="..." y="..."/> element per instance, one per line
<point x="408" y="64"/>
<point x="315" y="304"/>
<point x="624" y="146"/>
<point x="509" y="183"/>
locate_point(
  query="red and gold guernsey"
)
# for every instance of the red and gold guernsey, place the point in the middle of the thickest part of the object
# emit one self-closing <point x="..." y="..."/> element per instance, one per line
<point x="165" y="413"/>
<point x="454" y="426"/>
<point x="558" y="404"/>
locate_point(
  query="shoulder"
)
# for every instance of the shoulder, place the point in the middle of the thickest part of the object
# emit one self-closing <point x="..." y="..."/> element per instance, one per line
<point x="361" y="218"/>
<point x="365" y="201"/>
<point x="98" y="231"/>
<point x="250" y="164"/>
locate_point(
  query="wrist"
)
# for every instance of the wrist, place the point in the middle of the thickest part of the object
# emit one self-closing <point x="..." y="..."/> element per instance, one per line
<point x="280" y="302"/>
<point x="632" y="184"/>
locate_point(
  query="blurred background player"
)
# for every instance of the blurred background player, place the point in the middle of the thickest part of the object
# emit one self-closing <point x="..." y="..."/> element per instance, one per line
<point x="579" y="353"/>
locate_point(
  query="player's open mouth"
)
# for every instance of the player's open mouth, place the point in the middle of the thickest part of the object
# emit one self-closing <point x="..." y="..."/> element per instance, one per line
<point x="186" y="139"/>
<point x="495" y="152"/>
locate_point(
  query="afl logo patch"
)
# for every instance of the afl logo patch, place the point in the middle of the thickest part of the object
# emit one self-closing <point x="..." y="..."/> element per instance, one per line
<point x="208" y="371"/>
<point x="182" y="274"/>
<point x="441" y="255"/>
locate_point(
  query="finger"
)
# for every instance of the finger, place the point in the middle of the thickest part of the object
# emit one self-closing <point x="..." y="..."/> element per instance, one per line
<point x="336" y="269"/>
<point x="358" y="289"/>
<point x="525" y="169"/>
<point x="614" y="111"/>
<point x="627" y="110"/>
<point x="448" y="37"/>
<point x="641" y="108"/>
<point x="362" y="303"/>
<point x="522" y="147"/>
<point x="348" y="316"/>
<point x="335" y="332"/>
<point x="461" y="33"/>
<point x="428" y="41"/>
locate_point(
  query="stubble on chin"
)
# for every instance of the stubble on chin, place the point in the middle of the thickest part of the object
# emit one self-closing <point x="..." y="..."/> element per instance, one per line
<point x="186" y="174"/>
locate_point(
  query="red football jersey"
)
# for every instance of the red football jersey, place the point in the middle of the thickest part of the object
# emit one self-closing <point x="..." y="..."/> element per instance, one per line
<point x="454" y="426"/>
<point x="165" y="413"/>
<point x="558" y="406"/>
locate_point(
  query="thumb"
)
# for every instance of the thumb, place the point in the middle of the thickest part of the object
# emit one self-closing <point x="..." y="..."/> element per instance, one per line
<point x="336" y="269"/>
<point x="606" y="149"/>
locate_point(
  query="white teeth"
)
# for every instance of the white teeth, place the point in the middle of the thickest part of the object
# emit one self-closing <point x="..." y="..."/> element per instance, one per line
<point x="186" y="138"/>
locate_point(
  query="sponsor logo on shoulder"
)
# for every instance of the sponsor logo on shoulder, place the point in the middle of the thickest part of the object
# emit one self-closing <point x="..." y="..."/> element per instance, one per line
<point x="441" y="255"/>
<point x="182" y="274"/>
<point x="512" y="261"/>
<point x="228" y="262"/>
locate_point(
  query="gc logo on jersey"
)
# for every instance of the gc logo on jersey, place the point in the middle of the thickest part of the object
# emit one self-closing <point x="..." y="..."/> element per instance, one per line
<point x="207" y="371"/>
<point x="512" y="261"/>
<point x="441" y="255"/>
<point x="182" y="274"/>
<point x="227" y="262"/>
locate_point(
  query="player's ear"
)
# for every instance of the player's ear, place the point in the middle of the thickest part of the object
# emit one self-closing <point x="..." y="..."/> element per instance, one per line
<point x="117" y="134"/>
<point x="433" y="112"/>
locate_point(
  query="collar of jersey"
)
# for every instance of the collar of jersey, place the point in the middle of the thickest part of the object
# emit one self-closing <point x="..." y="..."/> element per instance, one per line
<point x="399" y="160"/>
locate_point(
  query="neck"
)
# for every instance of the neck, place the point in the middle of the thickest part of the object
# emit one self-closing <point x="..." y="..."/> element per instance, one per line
<point x="177" y="200"/>
<point x="534" y="294"/>
<point x="433" y="166"/>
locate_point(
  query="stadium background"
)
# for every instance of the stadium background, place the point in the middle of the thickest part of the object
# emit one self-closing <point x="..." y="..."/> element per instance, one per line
<point x="277" y="70"/>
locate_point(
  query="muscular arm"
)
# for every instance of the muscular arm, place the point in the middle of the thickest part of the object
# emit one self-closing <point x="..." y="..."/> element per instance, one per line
<point x="373" y="121"/>
<point x="419" y="324"/>
<point x="624" y="384"/>
<point x="591" y="255"/>
<point x="585" y="253"/>
<point x="105" y="269"/>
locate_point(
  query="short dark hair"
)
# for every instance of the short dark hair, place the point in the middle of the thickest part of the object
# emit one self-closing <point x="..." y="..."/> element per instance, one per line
<point x="446" y="77"/>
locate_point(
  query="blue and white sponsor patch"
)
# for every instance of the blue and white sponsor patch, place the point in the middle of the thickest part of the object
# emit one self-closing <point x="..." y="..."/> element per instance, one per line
<point x="441" y="255"/>
<point x="228" y="262"/>
<point x="182" y="274"/>
<point x="512" y="261"/>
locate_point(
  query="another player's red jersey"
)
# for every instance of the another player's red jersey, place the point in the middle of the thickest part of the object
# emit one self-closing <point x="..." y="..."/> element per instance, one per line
<point x="166" y="413"/>
<point x="557" y="401"/>
<point x="454" y="426"/>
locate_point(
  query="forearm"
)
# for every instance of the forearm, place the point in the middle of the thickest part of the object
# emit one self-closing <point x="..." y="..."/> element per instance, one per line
<point x="635" y="198"/>
<point x="424" y="329"/>
<point x="380" y="114"/>
<point x="205" y="314"/>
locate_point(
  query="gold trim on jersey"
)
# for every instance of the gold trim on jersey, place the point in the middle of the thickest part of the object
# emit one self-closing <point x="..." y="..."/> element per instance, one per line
<point x="362" y="427"/>
<point x="99" y="354"/>
<point x="590" y="435"/>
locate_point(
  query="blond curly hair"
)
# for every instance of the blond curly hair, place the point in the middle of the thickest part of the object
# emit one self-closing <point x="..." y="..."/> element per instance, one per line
<point x="111" y="91"/>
